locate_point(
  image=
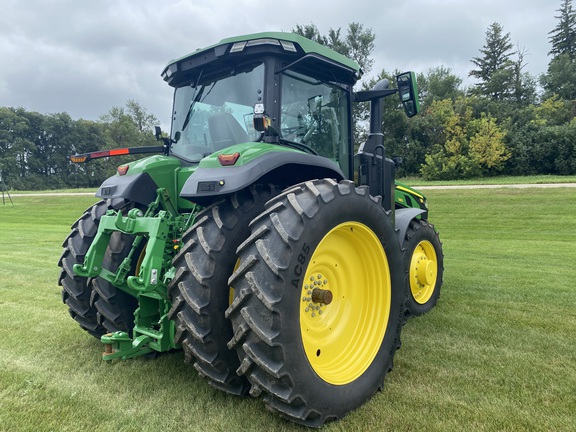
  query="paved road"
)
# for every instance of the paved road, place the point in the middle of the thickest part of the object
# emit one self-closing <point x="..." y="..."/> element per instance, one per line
<point x="511" y="186"/>
<point x="52" y="194"/>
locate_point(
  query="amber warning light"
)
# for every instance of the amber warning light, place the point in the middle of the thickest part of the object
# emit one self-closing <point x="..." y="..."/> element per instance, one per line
<point x="78" y="159"/>
<point x="123" y="169"/>
<point x="228" y="159"/>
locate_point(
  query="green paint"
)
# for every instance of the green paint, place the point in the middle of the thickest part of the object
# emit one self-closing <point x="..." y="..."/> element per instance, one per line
<point x="161" y="230"/>
<point x="406" y="196"/>
<point x="308" y="47"/>
<point x="248" y="153"/>
<point x="167" y="172"/>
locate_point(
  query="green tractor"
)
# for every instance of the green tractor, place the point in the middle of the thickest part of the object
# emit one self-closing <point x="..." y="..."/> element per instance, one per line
<point x="283" y="264"/>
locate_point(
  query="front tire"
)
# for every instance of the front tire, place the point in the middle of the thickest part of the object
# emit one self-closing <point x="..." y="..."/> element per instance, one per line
<point x="319" y="298"/>
<point x="425" y="262"/>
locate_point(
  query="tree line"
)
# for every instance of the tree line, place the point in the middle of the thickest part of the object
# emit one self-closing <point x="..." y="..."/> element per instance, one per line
<point x="508" y="123"/>
<point x="34" y="147"/>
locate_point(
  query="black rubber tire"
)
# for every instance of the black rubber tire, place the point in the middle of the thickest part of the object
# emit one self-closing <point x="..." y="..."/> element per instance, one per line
<point x="78" y="292"/>
<point x="200" y="292"/>
<point x="266" y="313"/>
<point x="422" y="231"/>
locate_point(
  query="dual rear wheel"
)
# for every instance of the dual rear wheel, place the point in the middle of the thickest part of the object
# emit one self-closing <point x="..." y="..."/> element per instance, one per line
<point x="96" y="305"/>
<point x="318" y="304"/>
<point x="319" y="290"/>
<point x="199" y="291"/>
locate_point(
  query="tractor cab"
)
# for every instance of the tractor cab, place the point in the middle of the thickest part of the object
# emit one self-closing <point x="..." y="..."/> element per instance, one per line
<point x="271" y="88"/>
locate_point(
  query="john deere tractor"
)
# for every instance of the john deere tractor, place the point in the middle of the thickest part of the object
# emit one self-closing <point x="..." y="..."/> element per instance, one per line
<point x="283" y="264"/>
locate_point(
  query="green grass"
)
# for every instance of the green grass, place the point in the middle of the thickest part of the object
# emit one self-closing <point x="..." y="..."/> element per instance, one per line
<point x="497" y="353"/>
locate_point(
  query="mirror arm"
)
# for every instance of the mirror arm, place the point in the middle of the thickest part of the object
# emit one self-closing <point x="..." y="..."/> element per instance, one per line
<point x="370" y="95"/>
<point x="167" y="141"/>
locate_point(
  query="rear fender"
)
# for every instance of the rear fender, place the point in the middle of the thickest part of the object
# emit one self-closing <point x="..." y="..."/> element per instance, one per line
<point x="280" y="168"/>
<point x="139" y="188"/>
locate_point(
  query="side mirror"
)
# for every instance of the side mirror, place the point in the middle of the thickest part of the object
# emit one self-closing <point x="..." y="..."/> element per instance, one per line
<point x="408" y="92"/>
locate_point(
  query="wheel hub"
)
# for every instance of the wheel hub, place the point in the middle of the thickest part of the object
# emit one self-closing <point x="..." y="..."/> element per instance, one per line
<point x="315" y="296"/>
<point x="423" y="272"/>
<point x="426" y="272"/>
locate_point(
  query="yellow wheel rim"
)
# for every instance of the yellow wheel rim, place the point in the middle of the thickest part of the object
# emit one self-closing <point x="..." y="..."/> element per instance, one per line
<point x="345" y="303"/>
<point x="230" y="288"/>
<point x="140" y="260"/>
<point x="423" y="272"/>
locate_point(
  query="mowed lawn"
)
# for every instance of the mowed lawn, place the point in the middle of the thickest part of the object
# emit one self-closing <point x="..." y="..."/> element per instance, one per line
<point x="497" y="353"/>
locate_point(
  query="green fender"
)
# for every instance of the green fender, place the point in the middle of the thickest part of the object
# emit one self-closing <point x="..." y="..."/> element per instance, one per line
<point x="278" y="167"/>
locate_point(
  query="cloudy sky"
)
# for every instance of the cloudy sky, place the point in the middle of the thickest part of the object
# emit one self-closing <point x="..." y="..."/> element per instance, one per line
<point x="85" y="56"/>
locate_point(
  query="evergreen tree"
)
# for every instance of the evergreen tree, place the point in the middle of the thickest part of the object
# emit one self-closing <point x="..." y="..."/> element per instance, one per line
<point x="495" y="68"/>
<point x="563" y="37"/>
<point x="560" y="78"/>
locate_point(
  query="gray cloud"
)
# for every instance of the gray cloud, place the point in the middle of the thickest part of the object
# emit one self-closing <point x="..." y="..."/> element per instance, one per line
<point x="85" y="57"/>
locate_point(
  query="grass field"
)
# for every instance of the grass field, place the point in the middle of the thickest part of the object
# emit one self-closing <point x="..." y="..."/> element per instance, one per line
<point x="497" y="353"/>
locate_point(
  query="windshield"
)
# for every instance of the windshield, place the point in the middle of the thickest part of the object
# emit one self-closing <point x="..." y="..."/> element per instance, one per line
<point x="315" y="113"/>
<point x="216" y="113"/>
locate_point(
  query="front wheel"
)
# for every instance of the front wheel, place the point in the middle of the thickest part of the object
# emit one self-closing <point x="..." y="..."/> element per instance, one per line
<point x="319" y="297"/>
<point x="425" y="261"/>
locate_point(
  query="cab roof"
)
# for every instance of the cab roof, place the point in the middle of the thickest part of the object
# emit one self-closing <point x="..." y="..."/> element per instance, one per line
<point x="290" y="46"/>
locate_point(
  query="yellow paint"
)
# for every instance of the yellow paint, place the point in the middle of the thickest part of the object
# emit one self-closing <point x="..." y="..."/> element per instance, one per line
<point x="341" y="339"/>
<point x="423" y="271"/>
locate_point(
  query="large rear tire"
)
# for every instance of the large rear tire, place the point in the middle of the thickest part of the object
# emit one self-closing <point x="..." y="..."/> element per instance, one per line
<point x="78" y="293"/>
<point x="424" y="258"/>
<point x="77" y="290"/>
<point x="319" y="296"/>
<point x="200" y="293"/>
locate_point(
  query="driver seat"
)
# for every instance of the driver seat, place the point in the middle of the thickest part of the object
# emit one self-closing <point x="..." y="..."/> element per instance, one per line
<point x="225" y="131"/>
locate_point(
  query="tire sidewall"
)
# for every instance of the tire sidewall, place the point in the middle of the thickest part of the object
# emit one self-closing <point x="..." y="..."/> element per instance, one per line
<point x="323" y="395"/>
